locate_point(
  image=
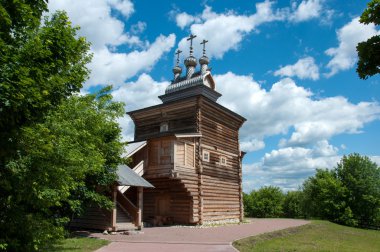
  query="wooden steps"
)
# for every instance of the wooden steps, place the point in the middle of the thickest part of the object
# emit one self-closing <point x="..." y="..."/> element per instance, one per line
<point x="123" y="220"/>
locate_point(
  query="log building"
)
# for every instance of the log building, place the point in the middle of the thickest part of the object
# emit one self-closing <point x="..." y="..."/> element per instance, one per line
<point x="188" y="149"/>
<point x="192" y="154"/>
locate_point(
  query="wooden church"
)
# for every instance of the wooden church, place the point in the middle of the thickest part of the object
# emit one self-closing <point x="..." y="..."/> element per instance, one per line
<point x="186" y="151"/>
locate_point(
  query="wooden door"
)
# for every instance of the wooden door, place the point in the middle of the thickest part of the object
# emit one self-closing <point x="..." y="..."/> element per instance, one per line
<point x="162" y="205"/>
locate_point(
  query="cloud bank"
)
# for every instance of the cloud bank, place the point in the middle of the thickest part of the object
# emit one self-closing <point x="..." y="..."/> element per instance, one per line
<point x="106" y="33"/>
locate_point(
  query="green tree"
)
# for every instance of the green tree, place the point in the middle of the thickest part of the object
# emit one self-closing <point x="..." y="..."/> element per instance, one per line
<point x="67" y="162"/>
<point x="292" y="205"/>
<point x="267" y="202"/>
<point x="57" y="151"/>
<point x="369" y="51"/>
<point x="349" y="194"/>
<point x="40" y="65"/>
<point x="361" y="179"/>
<point x="324" y="197"/>
<point x="247" y="202"/>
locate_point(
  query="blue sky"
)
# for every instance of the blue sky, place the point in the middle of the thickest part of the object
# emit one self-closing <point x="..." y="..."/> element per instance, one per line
<point x="287" y="66"/>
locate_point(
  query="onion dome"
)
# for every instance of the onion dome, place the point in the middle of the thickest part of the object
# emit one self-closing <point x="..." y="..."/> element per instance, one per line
<point x="204" y="60"/>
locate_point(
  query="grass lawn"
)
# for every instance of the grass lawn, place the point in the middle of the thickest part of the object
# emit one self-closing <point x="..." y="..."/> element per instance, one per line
<point x="79" y="244"/>
<point x="316" y="236"/>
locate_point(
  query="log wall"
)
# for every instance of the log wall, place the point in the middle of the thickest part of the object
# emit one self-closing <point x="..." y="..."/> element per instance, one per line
<point x="221" y="179"/>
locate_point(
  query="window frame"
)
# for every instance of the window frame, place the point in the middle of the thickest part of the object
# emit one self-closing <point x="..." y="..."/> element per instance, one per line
<point x="203" y="156"/>
<point x="223" y="158"/>
<point x="164" y="127"/>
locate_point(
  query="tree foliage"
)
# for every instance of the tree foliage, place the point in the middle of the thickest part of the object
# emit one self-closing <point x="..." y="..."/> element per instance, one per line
<point x="58" y="150"/>
<point x="361" y="179"/>
<point x="40" y="65"/>
<point x="369" y="51"/>
<point x="349" y="194"/>
<point x="265" y="202"/>
<point x="67" y="162"/>
<point x="292" y="206"/>
<point x="324" y="197"/>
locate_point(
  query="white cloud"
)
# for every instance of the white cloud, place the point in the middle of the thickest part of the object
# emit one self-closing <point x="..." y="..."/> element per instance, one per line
<point x="208" y="24"/>
<point x="304" y="68"/>
<point x="234" y="27"/>
<point x="138" y="28"/>
<point x="183" y="19"/>
<point x="344" y="56"/>
<point x="94" y="18"/>
<point x="376" y="159"/>
<point x="124" y="6"/>
<point x="142" y="93"/>
<point x="287" y="106"/>
<point x="289" y="167"/>
<point x="307" y="9"/>
<point x="106" y="32"/>
<point x="265" y="13"/>
<point x="252" y="145"/>
<point x="114" y="68"/>
<point x="127" y="128"/>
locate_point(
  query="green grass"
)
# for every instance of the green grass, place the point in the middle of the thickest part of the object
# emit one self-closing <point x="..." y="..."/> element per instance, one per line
<point x="316" y="236"/>
<point x="79" y="244"/>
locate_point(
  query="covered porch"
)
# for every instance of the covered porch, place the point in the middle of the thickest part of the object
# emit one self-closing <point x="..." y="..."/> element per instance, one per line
<point x="125" y="212"/>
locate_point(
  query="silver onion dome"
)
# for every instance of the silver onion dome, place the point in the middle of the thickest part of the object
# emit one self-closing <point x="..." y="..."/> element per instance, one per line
<point x="191" y="61"/>
<point x="177" y="70"/>
<point x="204" y="60"/>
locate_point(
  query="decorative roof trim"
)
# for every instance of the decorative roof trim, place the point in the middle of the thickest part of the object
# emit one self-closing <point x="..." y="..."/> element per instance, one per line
<point x="198" y="80"/>
<point x="189" y="92"/>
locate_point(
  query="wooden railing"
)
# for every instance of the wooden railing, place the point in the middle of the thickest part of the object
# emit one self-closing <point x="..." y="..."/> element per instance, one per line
<point x="139" y="168"/>
<point x="129" y="207"/>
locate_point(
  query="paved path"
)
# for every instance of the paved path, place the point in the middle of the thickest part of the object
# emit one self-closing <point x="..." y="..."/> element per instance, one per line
<point x="186" y="239"/>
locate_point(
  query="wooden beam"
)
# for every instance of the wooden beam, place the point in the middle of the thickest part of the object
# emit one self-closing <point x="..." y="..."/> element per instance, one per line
<point x="200" y="167"/>
<point x="113" y="212"/>
<point x="212" y="148"/>
<point x="140" y="207"/>
<point x="241" y="187"/>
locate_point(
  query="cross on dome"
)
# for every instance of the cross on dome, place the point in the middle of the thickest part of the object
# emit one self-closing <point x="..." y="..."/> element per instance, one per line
<point x="191" y="37"/>
<point x="178" y="53"/>
<point x="204" y="46"/>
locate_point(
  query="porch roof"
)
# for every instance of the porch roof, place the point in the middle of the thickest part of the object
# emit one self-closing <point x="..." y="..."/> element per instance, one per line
<point x="134" y="147"/>
<point x="127" y="177"/>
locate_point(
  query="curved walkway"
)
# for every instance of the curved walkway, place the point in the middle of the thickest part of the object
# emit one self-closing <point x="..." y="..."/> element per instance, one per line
<point x="193" y="238"/>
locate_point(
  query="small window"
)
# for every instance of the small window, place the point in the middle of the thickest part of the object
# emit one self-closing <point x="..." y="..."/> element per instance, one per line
<point x="164" y="127"/>
<point x="223" y="160"/>
<point x="206" y="156"/>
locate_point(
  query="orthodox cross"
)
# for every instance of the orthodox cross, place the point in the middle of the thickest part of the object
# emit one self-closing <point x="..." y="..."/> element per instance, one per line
<point x="204" y="46"/>
<point x="191" y="43"/>
<point x="178" y="52"/>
